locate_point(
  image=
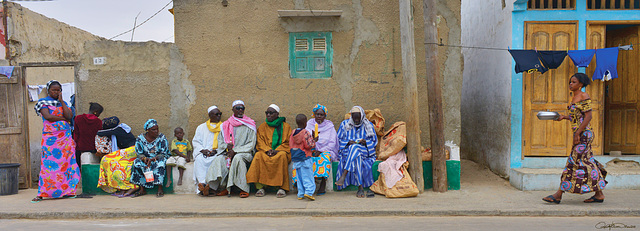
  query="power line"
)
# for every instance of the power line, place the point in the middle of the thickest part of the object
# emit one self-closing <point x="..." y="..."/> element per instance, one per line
<point x="142" y="22"/>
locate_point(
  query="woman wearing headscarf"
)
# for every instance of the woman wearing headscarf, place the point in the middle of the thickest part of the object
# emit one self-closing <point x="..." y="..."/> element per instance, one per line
<point x="357" y="150"/>
<point x="326" y="146"/>
<point x="59" y="173"/>
<point x="115" y="166"/>
<point x="152" y="148"/>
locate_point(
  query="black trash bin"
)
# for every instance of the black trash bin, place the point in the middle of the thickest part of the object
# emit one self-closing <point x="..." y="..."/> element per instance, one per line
<point x="9" y="178"/>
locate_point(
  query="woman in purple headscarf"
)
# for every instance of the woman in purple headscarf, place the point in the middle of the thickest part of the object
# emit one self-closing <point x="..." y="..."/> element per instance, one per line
<point x="326" y="147"/>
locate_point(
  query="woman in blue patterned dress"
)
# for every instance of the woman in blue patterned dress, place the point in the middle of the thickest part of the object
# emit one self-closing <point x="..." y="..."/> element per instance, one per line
<point x="153" y="149"/>
<point x="357" y="142"/>
<point x="582" y="173"/>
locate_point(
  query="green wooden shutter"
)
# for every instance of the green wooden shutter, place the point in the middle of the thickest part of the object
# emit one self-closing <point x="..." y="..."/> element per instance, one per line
<point x="310" y="55"/>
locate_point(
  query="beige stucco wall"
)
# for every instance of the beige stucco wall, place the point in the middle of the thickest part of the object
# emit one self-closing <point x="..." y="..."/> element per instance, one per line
<point x="36" y="38"/>
<point x="134" y="84"/>
<point x="241" y="52"/>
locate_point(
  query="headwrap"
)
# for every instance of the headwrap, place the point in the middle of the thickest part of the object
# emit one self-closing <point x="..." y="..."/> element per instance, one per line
<point x="368" y="126"/>
<point x="110" y="122"/>
<point x="211" y="108"/>
<point x="277" y="132"/>
<point x="237" y="102"/>
<point x="275" y="107"/>
<point x="53" y="81"/>
<point x="149" y="124"/>
<point x="47" y="101"/>
<point x="319" y="107"/>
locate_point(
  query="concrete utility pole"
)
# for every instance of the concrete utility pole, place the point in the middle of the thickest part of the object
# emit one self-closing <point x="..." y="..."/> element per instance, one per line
<point x="436" y="121"/>
<point x="411" y="93"/>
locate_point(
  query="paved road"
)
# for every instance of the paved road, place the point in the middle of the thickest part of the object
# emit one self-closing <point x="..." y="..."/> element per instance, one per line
<point x="334" y="223"/>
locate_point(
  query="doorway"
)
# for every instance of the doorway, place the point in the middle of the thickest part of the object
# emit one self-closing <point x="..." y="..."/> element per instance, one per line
<point x="622" y="95"/>
<point x="36" y="75"/>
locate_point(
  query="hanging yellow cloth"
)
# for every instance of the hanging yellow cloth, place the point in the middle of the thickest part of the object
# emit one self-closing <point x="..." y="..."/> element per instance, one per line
<point x="216" y="130"/>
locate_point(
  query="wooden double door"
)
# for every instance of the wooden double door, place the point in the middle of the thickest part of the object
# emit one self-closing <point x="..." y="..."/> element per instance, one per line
<point x="616" y="100"/>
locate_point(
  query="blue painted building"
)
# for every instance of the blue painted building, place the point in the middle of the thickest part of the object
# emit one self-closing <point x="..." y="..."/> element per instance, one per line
<point x="528" y="151"/>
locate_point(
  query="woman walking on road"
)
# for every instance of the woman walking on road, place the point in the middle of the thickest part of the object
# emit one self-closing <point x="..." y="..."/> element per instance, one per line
<point x="582" y="173"/>
<point x="59" y="173"/>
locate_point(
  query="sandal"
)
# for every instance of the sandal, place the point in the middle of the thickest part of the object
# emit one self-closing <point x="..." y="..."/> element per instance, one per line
<point x="551" y="199"/>
<point x="159" y="194"/>
<point x="69" y="196"/>
<point x="138" y="193"/>
<point x="36" y="199"/>
<point x="244" y="194"/>
<point x="311" y="198"/>
<point x="259" y="193"/>
<point x="593" y="199"/>
<point x="281" y="193"/>
<point x="222" y="193"/>
<point x="360" y="193"/>
<point x="204" y="189"/>
<point x="370" y="194"/>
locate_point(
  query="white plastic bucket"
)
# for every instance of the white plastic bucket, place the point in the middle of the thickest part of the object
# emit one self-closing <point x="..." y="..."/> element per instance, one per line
<point x="148" y="175"/>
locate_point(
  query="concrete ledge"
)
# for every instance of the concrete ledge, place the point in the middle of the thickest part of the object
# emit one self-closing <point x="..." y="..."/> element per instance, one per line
<point x="322" y="213"/>
<point x="530" y="179"/>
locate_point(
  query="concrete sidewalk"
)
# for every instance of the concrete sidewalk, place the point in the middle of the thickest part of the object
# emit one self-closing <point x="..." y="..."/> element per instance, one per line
<point x="482" y="194"/>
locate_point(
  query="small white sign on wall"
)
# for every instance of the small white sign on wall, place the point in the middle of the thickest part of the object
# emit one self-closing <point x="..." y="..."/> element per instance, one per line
<point x="99" y="60"/>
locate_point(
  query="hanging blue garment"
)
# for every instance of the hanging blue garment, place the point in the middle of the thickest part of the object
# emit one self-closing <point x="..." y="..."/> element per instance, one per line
<point x="527" y="60"/>
<point x="606" y="64"/>
<point x="552" y="59"/>
<point x="581" y="58"/>
<point x="6" y="71"/>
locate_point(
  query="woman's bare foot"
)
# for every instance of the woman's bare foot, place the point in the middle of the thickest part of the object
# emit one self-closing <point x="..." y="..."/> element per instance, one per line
<point x="340" y="181"/>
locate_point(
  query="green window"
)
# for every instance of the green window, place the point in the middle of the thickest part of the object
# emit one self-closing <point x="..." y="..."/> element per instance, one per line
<point x="310" y="55"/>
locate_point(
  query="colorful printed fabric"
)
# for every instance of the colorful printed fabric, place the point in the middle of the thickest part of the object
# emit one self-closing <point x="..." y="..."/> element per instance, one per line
<point x="115" y="170"/>
<point x="321" y="166"/>
<point x="582" y="173"/>
<point x="158" y="147"/>
<point x="59" y="173"/>
<point x="103" y="144"/>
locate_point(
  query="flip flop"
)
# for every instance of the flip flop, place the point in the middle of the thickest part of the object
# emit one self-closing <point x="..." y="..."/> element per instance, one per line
<point x="311" y="198"/>
<point x="36" y="199"/>
<point x="69" y="196"/>
<point x="244" y="194"/>
<point x="159" y="194"/>
<point x="551" y="199"/>
<point x="593" y="199"/>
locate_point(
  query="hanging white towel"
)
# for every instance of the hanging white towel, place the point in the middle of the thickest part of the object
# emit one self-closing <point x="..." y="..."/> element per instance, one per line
<point x="34" y="91"/>
<point x="68" y="89"/>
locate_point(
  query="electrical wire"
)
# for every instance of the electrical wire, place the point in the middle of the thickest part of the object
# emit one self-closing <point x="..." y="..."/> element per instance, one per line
<point x="142" y="22"/>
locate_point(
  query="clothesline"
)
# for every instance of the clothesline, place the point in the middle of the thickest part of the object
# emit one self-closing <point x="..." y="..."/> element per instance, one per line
<point x="500" y="49"/>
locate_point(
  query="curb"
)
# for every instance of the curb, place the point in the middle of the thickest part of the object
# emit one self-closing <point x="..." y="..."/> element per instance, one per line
<point x="315" y="213"/>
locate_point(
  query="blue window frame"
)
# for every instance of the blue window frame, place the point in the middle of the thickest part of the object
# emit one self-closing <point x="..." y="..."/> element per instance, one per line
<point x="310" y="55"/>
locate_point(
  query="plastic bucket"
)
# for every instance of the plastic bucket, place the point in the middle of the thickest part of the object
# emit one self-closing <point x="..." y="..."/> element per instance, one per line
<point x="9" y="178"/>
<point x="148" y="175"/>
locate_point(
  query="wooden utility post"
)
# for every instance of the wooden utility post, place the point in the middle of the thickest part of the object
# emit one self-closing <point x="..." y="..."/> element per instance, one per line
<point x="411" y="93"/>
<point x="436" y="121"/>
